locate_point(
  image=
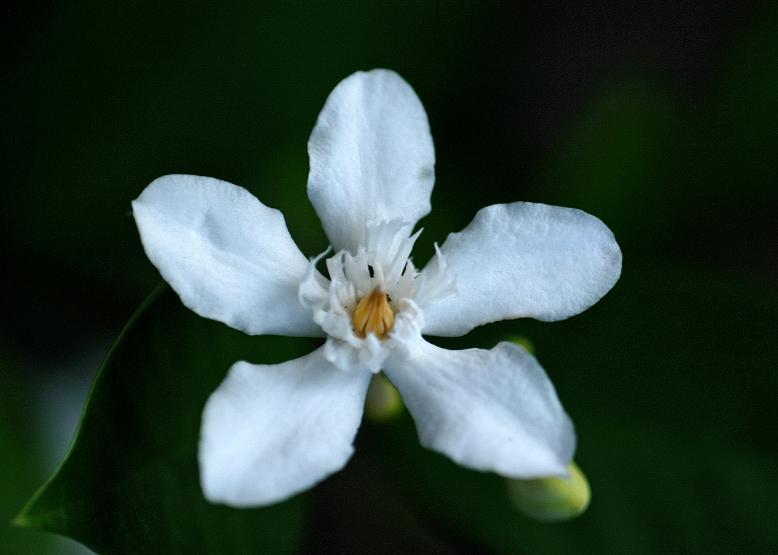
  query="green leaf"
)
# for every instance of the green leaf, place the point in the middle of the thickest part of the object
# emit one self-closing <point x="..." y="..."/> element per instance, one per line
<point x="22" y="460"/>
<point x="130" y="481"/>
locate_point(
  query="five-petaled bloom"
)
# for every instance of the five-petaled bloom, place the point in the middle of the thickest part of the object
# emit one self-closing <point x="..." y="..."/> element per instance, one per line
<point x="270" y="431"/>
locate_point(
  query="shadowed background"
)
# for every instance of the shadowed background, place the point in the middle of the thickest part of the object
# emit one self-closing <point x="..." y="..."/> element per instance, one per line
<point x="661" y="120"/>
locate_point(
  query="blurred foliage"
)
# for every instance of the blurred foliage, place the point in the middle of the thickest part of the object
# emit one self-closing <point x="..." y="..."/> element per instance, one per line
<point x="659" y="426"/>
<point x="668" y="473"/>
<point x="21" y="466"/>
<point x="130" y="482"/>
<point x="659" y="120"/>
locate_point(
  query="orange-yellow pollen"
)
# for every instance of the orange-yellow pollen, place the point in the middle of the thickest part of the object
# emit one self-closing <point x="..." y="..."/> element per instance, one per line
<point x="374" y="315"/>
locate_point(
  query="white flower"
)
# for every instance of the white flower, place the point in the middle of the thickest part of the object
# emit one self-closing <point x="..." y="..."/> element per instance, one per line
<point x="270" y="431"/>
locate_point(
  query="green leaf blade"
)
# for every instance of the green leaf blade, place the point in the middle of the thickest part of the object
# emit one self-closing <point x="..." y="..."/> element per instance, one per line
<point x="130" y="482"/>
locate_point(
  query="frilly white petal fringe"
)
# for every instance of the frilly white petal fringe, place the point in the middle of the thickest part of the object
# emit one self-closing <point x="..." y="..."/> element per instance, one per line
<point x="271" y="431"/>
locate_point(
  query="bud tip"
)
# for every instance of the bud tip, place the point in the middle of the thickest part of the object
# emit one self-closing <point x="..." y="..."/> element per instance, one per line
<point x="551" y="499"/>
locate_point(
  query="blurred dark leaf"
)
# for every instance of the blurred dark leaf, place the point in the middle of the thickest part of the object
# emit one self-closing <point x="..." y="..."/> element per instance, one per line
<point x="130" y="482"/>
<point x="21" y="465"/>
<point x="131" y="478"/>
<point x="674" y="456"/>
<point x="618" y="161"/>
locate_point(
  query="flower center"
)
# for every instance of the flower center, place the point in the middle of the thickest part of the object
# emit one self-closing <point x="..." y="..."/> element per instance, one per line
<point x="373" y="315"/>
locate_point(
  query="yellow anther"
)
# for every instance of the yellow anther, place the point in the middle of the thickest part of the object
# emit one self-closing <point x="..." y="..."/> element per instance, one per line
<point x="374" y="315"/>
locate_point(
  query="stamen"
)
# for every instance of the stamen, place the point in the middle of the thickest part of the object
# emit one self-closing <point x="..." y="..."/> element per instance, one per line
<point x="374" y="315"/>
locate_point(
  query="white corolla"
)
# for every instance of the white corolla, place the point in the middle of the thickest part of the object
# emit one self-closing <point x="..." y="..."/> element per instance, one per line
<point x="270" y="431"/>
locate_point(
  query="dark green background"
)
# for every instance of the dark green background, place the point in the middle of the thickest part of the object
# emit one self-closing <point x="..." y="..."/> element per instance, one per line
<point x="662" y="120"/>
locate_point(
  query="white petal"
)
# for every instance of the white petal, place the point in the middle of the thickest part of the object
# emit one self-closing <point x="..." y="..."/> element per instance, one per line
<point x="372" y="157"/>
<point x="524" y="260"/>
<point x="228" y="256"/>
<point x="271" y="431"/>
<point x="490" y="410"/>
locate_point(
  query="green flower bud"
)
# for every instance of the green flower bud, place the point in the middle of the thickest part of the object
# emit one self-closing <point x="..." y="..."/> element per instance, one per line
<point x="522" y="341"/>
<point x="551" y="499"/>
<point x="383" y="401"/>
